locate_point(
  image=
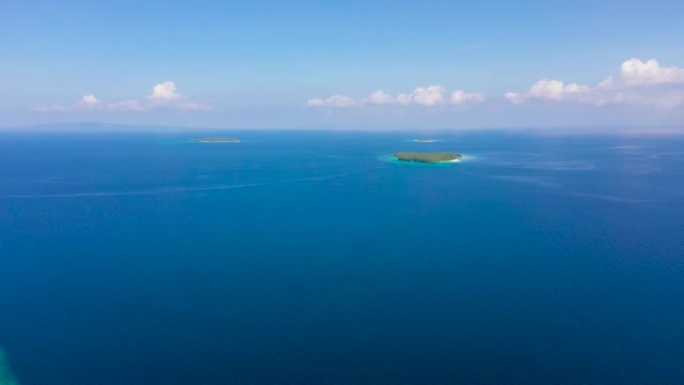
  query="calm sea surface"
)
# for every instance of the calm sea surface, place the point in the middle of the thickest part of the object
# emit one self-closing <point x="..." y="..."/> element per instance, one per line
<point x="310" y="258"/>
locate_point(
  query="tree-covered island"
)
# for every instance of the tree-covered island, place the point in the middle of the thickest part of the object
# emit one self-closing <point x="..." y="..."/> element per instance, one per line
<point x="428" y="157"/>
<point x="216" y="140"/>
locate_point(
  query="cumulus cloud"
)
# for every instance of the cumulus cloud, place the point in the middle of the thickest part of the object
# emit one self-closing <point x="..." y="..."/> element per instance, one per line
<point x="424" y="96"/>
<point x="634" y="72"/>
<point x="434" y="95"/>
<point x="165" y="92"/>
<point x="380" y="97"/>
<point x="550" y="90"/>
<point x="461" y="97"/>
<point x="89" y="100"/>
<point x="86" y="102"/>
<point x="637" y="82"/>
<point x="164" y="96"/>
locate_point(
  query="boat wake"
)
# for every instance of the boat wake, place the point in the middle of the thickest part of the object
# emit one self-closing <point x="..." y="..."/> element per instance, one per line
<point x="173" y="190"/>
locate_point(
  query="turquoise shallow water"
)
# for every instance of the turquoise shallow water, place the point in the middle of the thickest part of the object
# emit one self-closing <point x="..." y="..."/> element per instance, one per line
<point x="303" y="257"/>
<point x="6" y="375"/>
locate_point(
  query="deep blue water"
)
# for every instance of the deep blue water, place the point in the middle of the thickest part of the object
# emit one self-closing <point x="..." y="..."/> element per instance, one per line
<point x="304" y="258"/>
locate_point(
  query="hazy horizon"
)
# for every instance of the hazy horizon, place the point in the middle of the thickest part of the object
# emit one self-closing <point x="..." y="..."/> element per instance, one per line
<point x="113" y="128"/>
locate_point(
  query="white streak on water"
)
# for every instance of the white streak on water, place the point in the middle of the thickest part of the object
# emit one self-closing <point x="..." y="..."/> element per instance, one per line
<point x="525" y="179"/>
<point x="641" y="169"/>
<point x="629" y="147"/>
<point x="571" y="165"/>
<point x="172" y="190"/>
<point x="533" y="162"/>
<point x="611" y="198"/>
<point x="667" y="154"/>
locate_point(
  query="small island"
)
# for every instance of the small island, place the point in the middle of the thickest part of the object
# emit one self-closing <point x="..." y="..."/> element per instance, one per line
<point x="428" y="157"/>
<point x="424" y="140"/>
<point x="216" y="140"/>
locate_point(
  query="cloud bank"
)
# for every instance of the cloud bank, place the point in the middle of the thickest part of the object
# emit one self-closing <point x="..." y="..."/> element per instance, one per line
<point x="636" y="83"/>
<point x="434" y="95"/>
<point x="163" y="97"/>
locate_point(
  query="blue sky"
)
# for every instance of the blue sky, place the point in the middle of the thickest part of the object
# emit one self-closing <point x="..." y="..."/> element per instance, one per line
<point x="304" y="63"/>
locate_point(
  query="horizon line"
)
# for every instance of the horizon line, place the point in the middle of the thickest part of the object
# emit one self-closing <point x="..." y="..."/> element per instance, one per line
<point x="159" y="128"/>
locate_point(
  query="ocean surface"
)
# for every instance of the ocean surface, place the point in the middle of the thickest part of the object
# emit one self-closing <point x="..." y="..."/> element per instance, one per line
<point x="313" y="258"/>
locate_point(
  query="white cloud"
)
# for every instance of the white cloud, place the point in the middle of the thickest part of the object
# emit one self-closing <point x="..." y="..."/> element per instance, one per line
<point x="380" y="97"/>
<point x="549" y="90"/>
<point x="434" y="95"/>
<point x="462" y="97"/>
<point x="163" y="97"/>
<point x="637" y="82"/>
<point x="165" y="92"/>
<point x="90" y="100"/>
<point x="86" y="102"/>
<point x="634" y="72"/>
<point x="427" y="96"/>
<point x="333" y="101"/>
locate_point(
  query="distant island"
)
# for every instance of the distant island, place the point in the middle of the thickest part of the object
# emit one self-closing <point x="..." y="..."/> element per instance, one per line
<point x="216" y="140"/>
<point x="428" y="157"/>
<point x="424" y="140"/>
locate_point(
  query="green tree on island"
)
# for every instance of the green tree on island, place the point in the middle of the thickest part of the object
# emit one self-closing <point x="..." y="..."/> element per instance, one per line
<point x="427" y="157"/>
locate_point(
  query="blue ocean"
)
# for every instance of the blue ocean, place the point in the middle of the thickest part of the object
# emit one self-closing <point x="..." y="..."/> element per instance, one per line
<point x="313" y="257"/>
